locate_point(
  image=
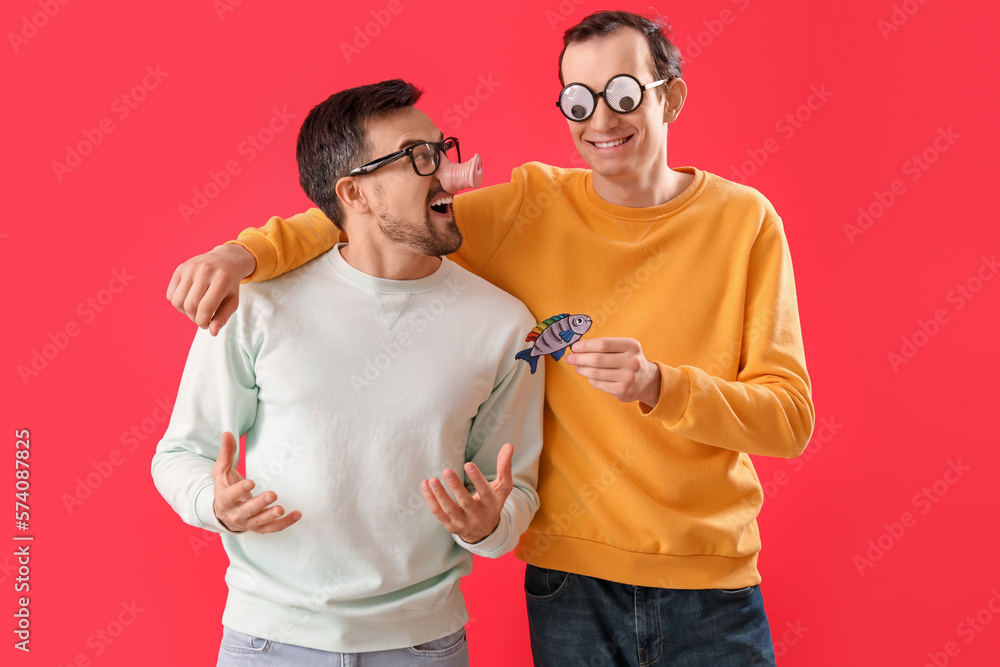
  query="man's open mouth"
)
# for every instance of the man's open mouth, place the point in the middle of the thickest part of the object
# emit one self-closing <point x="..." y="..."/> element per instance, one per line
<point x="611" y="144"/>
<point x="442" y="204"/>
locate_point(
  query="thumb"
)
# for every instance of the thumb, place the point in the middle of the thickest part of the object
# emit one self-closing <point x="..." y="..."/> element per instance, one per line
<point x="227" y="455"/>
<point x="504" y="478"/>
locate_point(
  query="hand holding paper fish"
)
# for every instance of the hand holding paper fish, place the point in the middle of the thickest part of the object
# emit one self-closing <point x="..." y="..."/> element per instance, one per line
<point x="471" y="517"/>
<point x="617" y="366"/>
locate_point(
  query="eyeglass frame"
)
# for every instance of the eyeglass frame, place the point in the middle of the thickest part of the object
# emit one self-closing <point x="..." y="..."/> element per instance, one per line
<point x="642" y="94"/>
<point x="378" y="163"/>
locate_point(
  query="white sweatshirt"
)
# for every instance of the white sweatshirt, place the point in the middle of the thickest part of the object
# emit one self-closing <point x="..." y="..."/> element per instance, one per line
<point x="351" y="389"/>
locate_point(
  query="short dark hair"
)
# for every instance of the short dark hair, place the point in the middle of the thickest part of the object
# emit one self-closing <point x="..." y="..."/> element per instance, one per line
<point x="666" y="58"/>
<point x="333" y="139"/>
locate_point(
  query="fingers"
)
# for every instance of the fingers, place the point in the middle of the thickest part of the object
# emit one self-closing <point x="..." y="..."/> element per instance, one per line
<point x="604" y="344"/>
<point x="225" y="310"/>
<point x="462" y="497"/>
<point x="240" y="511"/>
<point x="178" y="289"/>
<point x="200" y="286"/>
<point x="175" y="280"/>
<point x="247" y="511"/>
<point x="440" y="503"/>
<point x="262" y="518"/>
<point x="193" y="301"/>
<point x="207" y="296"/>
<point x="497" y="490"/>
<point x="591" y="359"/>
<point x="485" y="491"/>
<point x="277" y="525"/>
<point x="226" y="458"/>
<point x="227" y="498"/>
<point x="605" y="374"/>
<point x="433" y="504"/>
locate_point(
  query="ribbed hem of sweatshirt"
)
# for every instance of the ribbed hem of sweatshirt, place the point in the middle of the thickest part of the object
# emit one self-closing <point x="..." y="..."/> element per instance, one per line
<point x="491" y="545"/>
<point x="673" y="401"/>
<point x="204" y="509"/>
<point x="325" y="631"/>
<point x="593" y="559"/>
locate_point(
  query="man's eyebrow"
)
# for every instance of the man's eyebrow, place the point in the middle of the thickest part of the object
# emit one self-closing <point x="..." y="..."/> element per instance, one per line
<point x="406" y="142"/>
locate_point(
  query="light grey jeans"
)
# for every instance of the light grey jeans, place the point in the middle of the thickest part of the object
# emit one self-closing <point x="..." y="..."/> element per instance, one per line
<point x="240" y="650"/>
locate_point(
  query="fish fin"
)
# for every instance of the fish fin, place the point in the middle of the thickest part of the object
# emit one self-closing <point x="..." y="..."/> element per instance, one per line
<point x="566" y="335"/>
<point x="558" y="354"/>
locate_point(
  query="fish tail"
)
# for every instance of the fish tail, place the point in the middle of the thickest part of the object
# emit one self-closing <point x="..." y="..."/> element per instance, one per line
<point x="525" y="355"/>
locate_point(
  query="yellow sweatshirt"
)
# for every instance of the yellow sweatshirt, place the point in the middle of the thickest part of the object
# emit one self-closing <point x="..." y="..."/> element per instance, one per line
<point x="666" y="497"/>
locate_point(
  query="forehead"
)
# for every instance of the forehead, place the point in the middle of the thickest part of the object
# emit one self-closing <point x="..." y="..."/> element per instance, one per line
<point x="396" y="129"/>
<point x="594" y="61"/>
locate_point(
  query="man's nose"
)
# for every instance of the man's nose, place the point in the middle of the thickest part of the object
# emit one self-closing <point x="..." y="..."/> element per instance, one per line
<point x="603" y="118"/>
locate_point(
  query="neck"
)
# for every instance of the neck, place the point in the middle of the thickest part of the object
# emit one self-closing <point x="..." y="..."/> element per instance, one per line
<point x="650" y="187"/>
<point x="391" y="261"/>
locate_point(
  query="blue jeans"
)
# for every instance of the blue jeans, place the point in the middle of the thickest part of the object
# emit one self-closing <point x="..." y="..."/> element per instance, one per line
<point x="239" y="650"/>
<point x="587" y="622"/>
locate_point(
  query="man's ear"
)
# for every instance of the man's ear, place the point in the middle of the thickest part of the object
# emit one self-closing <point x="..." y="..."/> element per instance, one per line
<point x="676" y="93"/>
<point x="349" y="192"/>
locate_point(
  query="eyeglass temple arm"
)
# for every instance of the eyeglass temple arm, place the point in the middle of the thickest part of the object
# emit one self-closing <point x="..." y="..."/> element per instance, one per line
<point x="372" y="166"/>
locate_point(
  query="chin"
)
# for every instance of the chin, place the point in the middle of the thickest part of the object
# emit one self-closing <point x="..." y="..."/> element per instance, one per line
<point x="442" y="239"/>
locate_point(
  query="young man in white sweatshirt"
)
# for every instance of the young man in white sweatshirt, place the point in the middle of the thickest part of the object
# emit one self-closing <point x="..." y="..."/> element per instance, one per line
<point x="356" y="379"/>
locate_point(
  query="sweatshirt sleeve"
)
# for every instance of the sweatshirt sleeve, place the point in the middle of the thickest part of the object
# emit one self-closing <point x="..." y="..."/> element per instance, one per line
<point x="485" y="216"/>
<point x="282" y="245"/>
<point x="512" y="413"/>
<point x="218" y="393"/>
<point x="768" y="410"/>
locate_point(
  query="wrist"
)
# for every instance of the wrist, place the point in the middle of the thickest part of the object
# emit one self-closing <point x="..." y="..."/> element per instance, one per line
<point x="477" y="537"/>
<point x="242" y="259"/>
<point x="650" y="396"/>
<point x="224" y="524"/>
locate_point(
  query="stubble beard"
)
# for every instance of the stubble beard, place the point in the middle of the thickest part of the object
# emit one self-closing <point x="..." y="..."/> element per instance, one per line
<point x="425" y="238"/>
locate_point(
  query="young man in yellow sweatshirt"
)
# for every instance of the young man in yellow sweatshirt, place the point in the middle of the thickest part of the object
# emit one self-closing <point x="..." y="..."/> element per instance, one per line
<point x="644" y="550"/>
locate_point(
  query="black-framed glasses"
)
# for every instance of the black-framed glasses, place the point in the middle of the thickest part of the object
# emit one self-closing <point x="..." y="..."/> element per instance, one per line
<point x="425" y="157"/>
<point x="623" y="94"/>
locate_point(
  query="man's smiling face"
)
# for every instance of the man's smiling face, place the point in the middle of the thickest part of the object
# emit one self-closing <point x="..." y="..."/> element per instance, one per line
<point x="617" y="145"/>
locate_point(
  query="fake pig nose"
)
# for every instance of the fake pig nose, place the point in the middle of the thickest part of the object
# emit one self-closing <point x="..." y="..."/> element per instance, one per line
<point x="455" y="177"/>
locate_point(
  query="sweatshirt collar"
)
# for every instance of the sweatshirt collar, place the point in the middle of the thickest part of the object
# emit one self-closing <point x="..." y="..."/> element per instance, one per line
<point x="384" y="285"/>
<point x="675" y="205"/>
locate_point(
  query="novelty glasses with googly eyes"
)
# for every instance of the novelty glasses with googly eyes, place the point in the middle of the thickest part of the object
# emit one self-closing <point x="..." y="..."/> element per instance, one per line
<point x="623" y="94"/>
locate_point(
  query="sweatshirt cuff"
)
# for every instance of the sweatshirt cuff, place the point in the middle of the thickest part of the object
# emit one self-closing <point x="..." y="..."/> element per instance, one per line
<point x="674" y="396"/>
<point x="492" y="545"/>
<point x="204" y="510"/>
<point x="263" y="251"/>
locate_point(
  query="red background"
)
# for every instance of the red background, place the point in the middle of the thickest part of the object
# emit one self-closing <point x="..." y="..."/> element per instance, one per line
<point x="891" y="431"/>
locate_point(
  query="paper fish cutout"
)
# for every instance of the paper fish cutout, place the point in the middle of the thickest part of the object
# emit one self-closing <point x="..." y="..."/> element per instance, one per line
<point x="553" y="336"/>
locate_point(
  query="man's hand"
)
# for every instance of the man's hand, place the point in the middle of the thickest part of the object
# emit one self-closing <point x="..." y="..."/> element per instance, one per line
<point x="617" y="366"/>
<point x="206" y="288"/>
<point x="471" y="517"/>
<point x="235" y="507"/>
